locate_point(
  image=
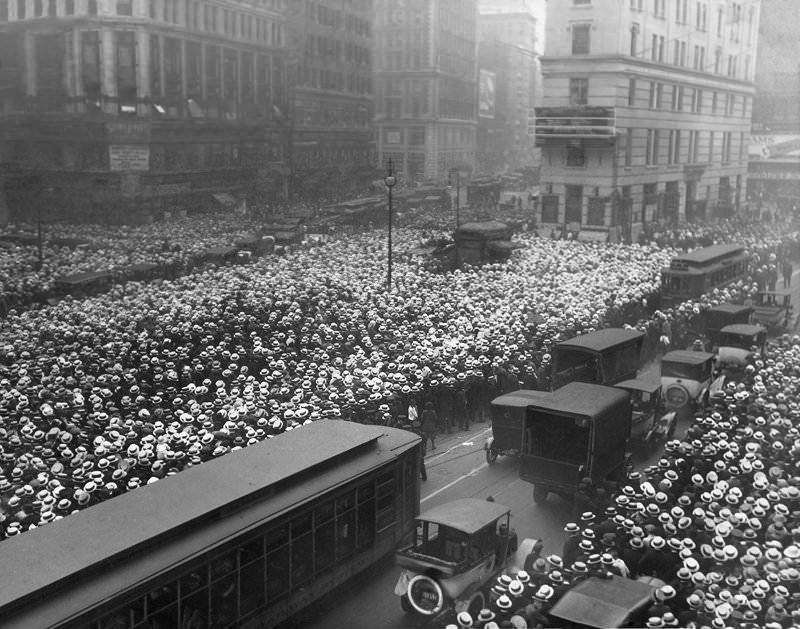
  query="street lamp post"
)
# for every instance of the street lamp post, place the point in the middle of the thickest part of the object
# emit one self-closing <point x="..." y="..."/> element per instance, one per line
<point x="457" y="173"/>
<point x="390" y="180"/>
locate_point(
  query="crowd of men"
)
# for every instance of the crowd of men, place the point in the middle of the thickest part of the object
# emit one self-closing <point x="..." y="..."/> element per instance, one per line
<point x="716" y="520"/>
<point x="102" y="395"/>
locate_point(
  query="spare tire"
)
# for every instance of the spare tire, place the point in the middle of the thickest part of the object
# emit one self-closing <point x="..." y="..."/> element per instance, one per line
<point x="425" y="595"/>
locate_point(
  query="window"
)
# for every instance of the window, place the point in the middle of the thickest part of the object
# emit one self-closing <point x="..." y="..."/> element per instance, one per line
<point x="628" y="146"/>
<point x="711" y="138"/>
<point x="126" y="66"/>
<point x="674" y="154"/>
<point x="576" y="154"/>
<point x="714" y="99"/>
<point x="124" y="7"/>
<point x="92" y="7"/>
<point x="651" y="147"/>
<point x="693" y="145"/>
<point x="90" y="65"/>
<point x="634" y="40"/>
<point x="581" y="1"/>
<point x="654" y="48"/>
<point x="550" y="208"/>
<point x="631" y="92"/>
<point x="69" y="7"/>
<point x="580" y="39"/>
<point x="683" y="53"/>
<point x="3" y="10"/>
<point x="578" y="91"/>
<point x="653" y="101"/>
<point x="38" y="9"/>
<point x="573" y="204"/>
<point x="661" y="47"/>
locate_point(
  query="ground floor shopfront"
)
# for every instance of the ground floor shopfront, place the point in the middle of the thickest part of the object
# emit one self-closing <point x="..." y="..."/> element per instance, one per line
<point x="86" y="169"/>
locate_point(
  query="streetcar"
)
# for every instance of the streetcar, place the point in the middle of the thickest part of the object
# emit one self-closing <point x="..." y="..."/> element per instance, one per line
<point x="245" y="540"/>
<point x="691" y="275"/>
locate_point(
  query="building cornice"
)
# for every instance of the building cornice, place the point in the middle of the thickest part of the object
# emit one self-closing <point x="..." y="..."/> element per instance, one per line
<point x="635" y="66"/>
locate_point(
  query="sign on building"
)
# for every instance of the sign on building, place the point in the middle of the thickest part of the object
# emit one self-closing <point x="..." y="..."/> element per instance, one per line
<point x="486" y="92"/>
<point x="126" y="157"/>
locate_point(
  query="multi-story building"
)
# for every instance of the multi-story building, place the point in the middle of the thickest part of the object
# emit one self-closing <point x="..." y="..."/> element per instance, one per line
<point x="333" y="142"/>
<point x="774" y="171"/>
<point x="647" y="111"/>
<point x="426" y="86"/>
<point x="509" y="84"/>
<point x="116" y="110"/>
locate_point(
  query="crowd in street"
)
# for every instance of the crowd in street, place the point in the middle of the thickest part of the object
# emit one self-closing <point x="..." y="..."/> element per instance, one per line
<point x="102" y="395"/>
<point x="716" y="521"/>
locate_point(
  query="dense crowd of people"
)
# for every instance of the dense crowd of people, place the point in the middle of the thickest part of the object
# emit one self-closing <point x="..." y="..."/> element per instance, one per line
<point x="102" y="395"/>
<point x="716" y="521"/>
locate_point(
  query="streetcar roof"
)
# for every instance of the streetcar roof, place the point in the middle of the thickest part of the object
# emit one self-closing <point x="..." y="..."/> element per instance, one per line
<point x="468" y="515"/>
<point x="603" y="603"/>
<point x="582" y="398"/>
<point x="686" y="356"/>
<point x="707" y="254"/>
<point x="518" y="399"/>
<point x="601" y="340"/>
<point x="95" y="554"/>
<point x="743" y="329"/>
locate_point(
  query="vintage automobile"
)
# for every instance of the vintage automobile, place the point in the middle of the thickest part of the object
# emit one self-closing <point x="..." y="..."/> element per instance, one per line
<point x="740" y="343"/>
<point x="459" y="549"/>
<point x="508" y="417"/>
<point x="687" y="379"/>
<point x="597" y="603"/>
<point x="772" y="308"/>
<point x="706" y="327"/>
<point x="650" y="425"/>
<point x="578" y="431"/>
<point x="601" y="357"/>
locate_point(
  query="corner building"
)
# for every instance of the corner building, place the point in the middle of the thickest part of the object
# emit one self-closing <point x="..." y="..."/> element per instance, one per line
<point x="646" y="114"/>
<point x="426" y="86"/>
<point x="125" y="110"/>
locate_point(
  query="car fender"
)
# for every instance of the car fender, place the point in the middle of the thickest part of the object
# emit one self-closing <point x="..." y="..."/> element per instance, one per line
<point x="488" y="443"/>
<point x="524" y="549"/>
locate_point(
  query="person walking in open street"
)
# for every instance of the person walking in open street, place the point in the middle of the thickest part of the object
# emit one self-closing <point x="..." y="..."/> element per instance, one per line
<point x="430" y="423"/>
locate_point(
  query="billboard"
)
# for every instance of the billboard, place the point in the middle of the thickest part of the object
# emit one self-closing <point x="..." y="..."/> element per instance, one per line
<point x="486" y="91"/>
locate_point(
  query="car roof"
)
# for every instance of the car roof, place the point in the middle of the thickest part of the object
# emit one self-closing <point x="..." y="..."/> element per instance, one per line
<point x="603" y="603"/>
<point x="648" y="385"/>
<point x="519" y="399"/>
<point x="581" y="398"/>
<point x="602" y="339"/>
<point x="745" y="329"/>
<point x="467" y="515"/>
<point x="687" y="356"/>
<point x="731" y="308"/>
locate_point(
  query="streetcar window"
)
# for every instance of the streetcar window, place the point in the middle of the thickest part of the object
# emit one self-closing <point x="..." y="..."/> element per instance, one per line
<point x="386" y="500"/>
<point x="251" y="550"/>
<point x="223" y="564"/>
<point x="277" y="562"/>
<point x="345" y="525"/>
<point x="302" y="550"/>
<point x="224" y="598"/>
<point x="252" y="593"/>
<point x="194" y="608"/>
<point x="324" y="544"/>
<point x="365" y="534"/>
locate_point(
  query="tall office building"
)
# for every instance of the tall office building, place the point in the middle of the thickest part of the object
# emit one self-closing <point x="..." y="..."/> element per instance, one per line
<point x="121" y="110"/>
<point x="509" y="87"/>
<point x="333" y="143"/>
<point x="426" y="86"/>
<point x="646" y="112"/>
<point x="774" y="171"/>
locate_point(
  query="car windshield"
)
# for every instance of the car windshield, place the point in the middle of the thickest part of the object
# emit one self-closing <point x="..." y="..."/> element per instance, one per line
<point x="742" y="341"/>
<point x="670" y="369"/>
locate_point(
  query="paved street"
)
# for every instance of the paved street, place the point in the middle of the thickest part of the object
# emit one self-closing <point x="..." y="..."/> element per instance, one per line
<point x="457" y="469"/>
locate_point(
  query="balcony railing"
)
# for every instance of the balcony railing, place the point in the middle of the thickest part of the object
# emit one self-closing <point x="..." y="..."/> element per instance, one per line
<point x="575" y="122"/>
